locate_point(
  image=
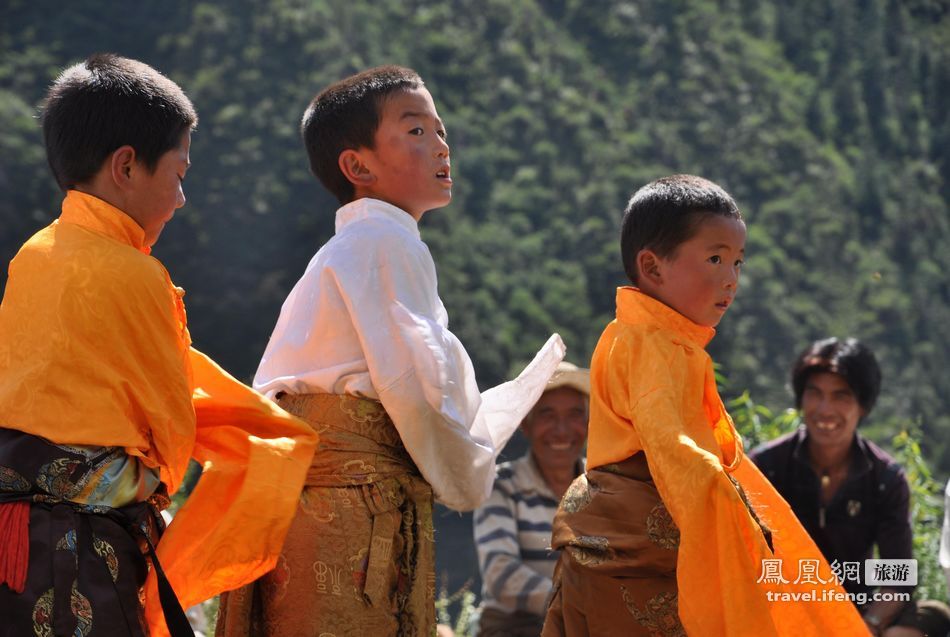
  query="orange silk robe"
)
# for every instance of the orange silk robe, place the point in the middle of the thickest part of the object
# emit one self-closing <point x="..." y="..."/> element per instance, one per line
<point x="95" y="350"/>
<point x="653" y="390"/>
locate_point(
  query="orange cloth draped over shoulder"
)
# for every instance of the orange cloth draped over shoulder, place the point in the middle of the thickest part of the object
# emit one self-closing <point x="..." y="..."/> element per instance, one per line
<point x="95" y="350"/>
<point x="654" y="390"/>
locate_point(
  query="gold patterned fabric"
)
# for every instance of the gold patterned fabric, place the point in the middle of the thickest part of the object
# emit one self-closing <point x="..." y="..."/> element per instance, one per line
<point x="359" y="556"/>
<point x="617" y="570"/>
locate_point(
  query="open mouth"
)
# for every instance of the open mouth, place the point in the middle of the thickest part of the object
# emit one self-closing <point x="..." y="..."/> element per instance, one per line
<point x="445" y="174"/>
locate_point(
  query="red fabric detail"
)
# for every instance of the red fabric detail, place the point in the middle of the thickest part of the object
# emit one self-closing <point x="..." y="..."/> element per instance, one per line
<point x="14" y="544"/>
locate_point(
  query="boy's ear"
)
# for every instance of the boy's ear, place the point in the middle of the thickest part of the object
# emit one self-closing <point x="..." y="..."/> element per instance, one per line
<point x="121" y="166"/>
<point x="354" y="168"/>
<point x="648" y="265"/>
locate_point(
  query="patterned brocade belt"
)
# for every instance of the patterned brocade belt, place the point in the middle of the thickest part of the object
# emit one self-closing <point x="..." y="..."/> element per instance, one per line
<point x="359" y="443"/>
<point x="84" y="479"/>
<point x="360" y="447"/>
<point x="91" y="478"/>
<point x="612" y="521"/>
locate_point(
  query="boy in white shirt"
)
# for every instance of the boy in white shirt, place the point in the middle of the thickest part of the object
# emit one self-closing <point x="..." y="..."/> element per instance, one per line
<point x="362" y="351"/>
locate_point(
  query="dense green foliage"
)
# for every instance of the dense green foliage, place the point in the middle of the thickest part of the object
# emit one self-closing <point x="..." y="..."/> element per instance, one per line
<point x="927" y="505"/>
<point x="829" y="121"/>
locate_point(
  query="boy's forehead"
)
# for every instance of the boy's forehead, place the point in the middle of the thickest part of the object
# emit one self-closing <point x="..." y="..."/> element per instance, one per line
<point x="183" y="150"/>
<point x="719" y="228"/>
<point x="416" y="102"/>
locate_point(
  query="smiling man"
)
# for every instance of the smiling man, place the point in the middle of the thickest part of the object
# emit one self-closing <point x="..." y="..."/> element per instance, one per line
<point x="849" y="494"/>
<point x="513" y="529"/>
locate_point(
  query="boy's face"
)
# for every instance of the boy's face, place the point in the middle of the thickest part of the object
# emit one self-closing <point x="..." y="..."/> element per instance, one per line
<point x="410" y="162"/>
<point x="701" y="278"/>
<point x="155" y="196"/>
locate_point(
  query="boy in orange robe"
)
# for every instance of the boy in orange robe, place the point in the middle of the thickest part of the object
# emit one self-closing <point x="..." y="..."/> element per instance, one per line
<point x="672" y="531"/>
<point x="103" y="401"/>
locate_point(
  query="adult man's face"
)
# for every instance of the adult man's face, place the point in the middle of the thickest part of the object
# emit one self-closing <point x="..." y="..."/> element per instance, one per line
<point x="830" y="410"/>
<point x="556" y="427"/>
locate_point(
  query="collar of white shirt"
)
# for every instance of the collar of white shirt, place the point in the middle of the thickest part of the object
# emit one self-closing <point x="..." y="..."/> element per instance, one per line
<point x="368" y="208"/>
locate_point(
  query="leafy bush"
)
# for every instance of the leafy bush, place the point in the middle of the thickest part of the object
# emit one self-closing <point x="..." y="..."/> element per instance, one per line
<point x="926" y="514"/>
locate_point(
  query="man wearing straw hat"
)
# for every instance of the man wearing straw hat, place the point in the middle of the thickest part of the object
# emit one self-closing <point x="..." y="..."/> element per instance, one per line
<point x="513" y="528"/>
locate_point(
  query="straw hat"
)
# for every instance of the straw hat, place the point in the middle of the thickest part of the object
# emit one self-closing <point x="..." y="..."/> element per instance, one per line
<point x="570" y="375"/>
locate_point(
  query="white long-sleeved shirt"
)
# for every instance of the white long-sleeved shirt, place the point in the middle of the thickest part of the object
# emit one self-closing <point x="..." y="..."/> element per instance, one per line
<point x="366" y="319"/>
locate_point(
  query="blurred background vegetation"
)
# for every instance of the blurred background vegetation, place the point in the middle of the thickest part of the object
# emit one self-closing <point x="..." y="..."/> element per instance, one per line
<point x="828" y="121"/>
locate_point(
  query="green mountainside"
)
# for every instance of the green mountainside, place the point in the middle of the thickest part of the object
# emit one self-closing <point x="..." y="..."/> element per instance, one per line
<point x="828" y="121"/>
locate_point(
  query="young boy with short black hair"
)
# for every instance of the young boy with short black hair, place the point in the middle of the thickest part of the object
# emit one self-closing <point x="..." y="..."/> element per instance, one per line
<point x="659" y="536"/>
<point x="102" y="400"/>
<point x="363" y="352"/>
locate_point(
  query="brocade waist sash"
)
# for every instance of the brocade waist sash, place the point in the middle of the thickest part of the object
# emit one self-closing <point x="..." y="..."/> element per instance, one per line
<point x="611" y="520"/>
<point x="360" y="447"/>
<point x="359" y="444"/>
<point x="91" y="478"/>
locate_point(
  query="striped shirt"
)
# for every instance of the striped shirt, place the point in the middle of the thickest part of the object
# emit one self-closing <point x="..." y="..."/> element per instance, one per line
<point x="513" y="539"/>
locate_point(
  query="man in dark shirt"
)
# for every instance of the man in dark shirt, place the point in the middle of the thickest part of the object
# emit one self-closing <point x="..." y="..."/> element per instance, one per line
<point x="848" y="493"/>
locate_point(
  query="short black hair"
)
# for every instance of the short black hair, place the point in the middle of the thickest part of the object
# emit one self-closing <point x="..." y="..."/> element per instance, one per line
<point x="106" y="102"/>
<point x="667" y="212"/>
<point x="345" y="116"/>
<point x="849" y="358"/>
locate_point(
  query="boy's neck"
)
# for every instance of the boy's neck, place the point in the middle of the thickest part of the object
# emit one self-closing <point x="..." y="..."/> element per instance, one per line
<point x="662" y="313"/>
<point x="648" y="290"/>
<point x="99" y="187"/>
<point x="364" y="195"/>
